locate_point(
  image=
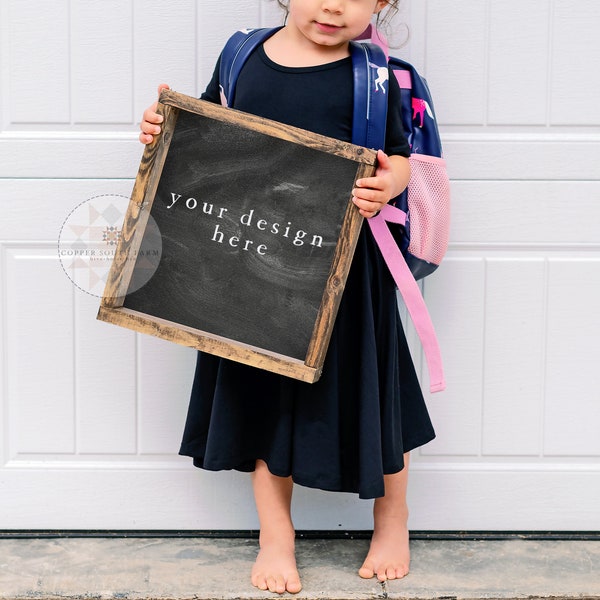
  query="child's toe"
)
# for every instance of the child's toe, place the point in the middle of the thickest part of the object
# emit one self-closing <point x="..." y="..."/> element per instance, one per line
<point x="366" y="571"/>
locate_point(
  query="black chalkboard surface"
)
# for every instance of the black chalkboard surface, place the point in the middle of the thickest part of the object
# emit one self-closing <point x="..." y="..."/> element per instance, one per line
<point x="257" y="235"/>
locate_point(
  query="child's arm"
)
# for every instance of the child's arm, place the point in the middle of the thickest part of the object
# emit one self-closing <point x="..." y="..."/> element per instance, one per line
<point x="151" y="120"/>
<point x="371" y="194"/>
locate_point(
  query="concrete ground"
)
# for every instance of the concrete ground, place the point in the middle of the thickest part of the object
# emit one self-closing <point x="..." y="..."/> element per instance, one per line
<point x="218" y="569"/>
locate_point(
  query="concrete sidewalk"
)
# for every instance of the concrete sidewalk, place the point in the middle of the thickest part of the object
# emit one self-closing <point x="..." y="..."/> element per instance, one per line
<point x="207" y="569"/>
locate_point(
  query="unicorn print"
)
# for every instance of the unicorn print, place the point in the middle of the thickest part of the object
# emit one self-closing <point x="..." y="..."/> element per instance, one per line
<point x="382" y="77"/>
<point x="420" y="107"/>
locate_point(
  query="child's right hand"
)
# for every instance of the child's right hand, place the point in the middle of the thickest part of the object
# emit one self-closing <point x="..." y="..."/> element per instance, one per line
<point x="151" y="120"/>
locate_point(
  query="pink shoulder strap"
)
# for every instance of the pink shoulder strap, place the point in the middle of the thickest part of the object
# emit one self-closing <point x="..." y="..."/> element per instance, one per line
<point x="410" y="291"/>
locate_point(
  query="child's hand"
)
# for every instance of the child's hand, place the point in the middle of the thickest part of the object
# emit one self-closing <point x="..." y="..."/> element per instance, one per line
<point x="371" y="194"/>
<point x="151" y="120"/>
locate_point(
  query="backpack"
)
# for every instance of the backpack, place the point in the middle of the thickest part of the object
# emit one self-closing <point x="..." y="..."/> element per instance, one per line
<point x="417" y="241"/>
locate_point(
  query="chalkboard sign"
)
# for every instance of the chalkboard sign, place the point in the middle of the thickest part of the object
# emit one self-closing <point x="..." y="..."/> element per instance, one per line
<point x="257" y="233"/>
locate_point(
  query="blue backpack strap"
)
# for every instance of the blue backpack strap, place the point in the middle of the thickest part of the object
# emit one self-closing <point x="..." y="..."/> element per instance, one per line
<point x="235" y="53"/>
<point x="370" y="68"/>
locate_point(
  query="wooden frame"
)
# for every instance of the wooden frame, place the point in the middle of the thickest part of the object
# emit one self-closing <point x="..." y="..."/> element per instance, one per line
<point x="289" y="169"/>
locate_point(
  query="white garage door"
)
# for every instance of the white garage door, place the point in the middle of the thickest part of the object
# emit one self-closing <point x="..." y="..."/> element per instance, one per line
<point x="91" y="415"/>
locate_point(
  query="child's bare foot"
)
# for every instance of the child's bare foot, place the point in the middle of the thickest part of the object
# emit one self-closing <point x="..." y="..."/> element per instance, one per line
<point x="275" y="569"/>
<point x="389" y="553"/>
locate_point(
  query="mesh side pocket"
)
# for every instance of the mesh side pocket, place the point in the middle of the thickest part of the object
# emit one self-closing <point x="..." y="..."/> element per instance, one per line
<point x="428" y="208"/>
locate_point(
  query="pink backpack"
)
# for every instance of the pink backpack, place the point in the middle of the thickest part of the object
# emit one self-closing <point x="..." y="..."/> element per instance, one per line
<point x="423" y="209"/>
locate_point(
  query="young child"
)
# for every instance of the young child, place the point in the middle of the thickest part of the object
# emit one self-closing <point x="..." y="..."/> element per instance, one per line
<point x="352" y="431"/>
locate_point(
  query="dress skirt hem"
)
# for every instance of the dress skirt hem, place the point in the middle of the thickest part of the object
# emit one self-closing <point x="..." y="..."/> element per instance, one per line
<point x="341" y="433"/>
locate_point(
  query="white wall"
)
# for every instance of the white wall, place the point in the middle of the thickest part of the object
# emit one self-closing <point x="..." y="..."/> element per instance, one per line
<point x="91" y="415"/>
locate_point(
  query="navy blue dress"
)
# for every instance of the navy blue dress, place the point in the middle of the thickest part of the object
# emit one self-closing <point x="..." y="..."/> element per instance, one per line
<point x="344" y="432"/>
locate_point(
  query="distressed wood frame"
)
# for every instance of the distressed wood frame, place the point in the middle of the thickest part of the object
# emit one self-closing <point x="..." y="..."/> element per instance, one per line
<point x="140" y="206"/>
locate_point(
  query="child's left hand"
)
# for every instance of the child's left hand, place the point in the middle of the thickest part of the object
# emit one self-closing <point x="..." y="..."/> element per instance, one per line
<point x="371" y="194"/>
